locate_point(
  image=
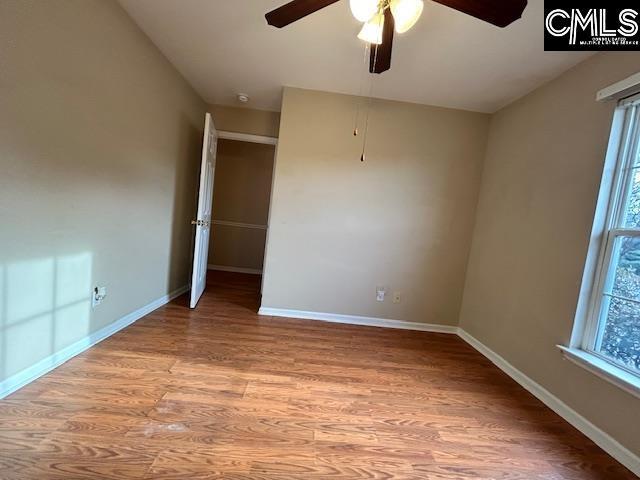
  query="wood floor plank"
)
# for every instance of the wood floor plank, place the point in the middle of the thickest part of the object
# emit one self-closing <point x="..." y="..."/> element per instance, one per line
<point x="222" y="393"/>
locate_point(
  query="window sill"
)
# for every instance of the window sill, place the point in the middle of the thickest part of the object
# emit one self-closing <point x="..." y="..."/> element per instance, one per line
<point x="619" y="377"/>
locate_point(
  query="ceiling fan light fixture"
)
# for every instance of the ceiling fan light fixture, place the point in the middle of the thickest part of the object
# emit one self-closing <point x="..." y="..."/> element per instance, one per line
<point x="406" y="13"/>
<point x="372" y="30"/>
<point x="363" y="10"/>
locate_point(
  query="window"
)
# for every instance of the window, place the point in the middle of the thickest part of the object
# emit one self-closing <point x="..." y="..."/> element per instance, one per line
<point x="612" y="332"/>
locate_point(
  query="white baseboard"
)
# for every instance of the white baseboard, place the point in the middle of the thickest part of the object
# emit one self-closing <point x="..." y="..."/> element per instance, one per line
<point x="598" y="436"/>
<point x="357" y="320"/>
<point x="601" y="438"/>
<point x="28" y="375"/>
<point x="224" y="268"/>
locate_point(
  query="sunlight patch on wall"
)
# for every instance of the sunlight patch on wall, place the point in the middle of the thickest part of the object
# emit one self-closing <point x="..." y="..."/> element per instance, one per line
<point x="45" y="305"/>
<point x="30" y="290"/>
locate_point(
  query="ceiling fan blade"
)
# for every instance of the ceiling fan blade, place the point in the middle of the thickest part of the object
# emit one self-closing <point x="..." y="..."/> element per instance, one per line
<point x="292" y="11"/>
<point x="497" y="12"/>
<point x="380" y="57"/>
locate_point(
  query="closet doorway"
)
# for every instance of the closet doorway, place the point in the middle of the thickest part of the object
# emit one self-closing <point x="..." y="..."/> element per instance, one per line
<point x="241" y="201"/>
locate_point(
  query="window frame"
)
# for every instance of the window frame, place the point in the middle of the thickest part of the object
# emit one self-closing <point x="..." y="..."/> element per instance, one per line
<point x="624" y="148"/>
<point x="597" y="318"/>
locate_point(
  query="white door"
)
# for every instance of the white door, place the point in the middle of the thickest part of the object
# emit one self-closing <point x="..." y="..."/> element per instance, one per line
<point x="203" y="221"/>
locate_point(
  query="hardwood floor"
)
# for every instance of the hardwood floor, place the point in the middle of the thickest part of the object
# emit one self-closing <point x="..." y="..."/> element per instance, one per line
<point x="220" y="393"/>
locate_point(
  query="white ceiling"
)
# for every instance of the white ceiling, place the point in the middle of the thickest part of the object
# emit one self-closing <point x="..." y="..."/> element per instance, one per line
<point x="449" y="59"/>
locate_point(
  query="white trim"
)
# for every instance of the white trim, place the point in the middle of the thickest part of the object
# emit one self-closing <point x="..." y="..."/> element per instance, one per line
<point x="224" y="268"/>
<point x="621" y="89"/>
<point x="601" y="438"/>
<point x="266" y="260"/>
<point x="238" y="224"/>
<point x="357" y="320"/>
<point x="28" y="375"/>
<point x="621" y="378"/>
<point x="608" y="224"/>
<point x="631" y="101"/>
<point x="246" y="137"/>
<point x="606" y="205"/>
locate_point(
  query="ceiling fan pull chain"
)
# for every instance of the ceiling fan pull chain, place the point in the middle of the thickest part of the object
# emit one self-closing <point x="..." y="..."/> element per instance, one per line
<point x="366" y="131"/>
<point x="360" y="86"/>
<point x="370" y="101"/>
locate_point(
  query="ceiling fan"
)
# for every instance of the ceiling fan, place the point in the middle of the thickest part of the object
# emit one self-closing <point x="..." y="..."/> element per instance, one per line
<point x="382" y="17"/>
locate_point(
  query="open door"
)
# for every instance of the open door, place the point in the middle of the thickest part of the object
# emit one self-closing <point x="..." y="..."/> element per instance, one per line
<point x="203" y="221"/>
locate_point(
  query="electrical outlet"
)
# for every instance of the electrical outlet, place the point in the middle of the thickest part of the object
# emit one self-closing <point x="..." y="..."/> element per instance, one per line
<point x="397" y="297"/>
<point x="381" y="292"/>
<point x="98" y="296"/>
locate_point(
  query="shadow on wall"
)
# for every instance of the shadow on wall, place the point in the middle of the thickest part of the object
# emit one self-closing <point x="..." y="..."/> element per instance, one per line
<point x="185" y="202"/>
<point x="45" y="305"/>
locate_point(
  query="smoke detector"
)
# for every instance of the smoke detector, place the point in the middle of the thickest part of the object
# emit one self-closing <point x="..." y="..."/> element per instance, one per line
<point x="243" y="97"/>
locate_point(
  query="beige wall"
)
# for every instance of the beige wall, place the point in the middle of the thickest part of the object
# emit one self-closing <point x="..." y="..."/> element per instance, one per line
<point x="241" y="194"/>
<point x="402" y="219"/>
<point x="100" y="141"/>
<point x="99" y="153"/>
<point x="539" y="188"/>
<point x="245" y="120"/>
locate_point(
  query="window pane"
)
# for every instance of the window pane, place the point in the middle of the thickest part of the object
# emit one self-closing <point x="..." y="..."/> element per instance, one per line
<point x="626" y="282"/>
<point x="620" y="330"/>
<point x="632" y="217"/>
<point x="621" y="335"/>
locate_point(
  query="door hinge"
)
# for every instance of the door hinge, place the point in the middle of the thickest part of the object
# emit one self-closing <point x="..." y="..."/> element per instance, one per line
<point x="201" y="223"/>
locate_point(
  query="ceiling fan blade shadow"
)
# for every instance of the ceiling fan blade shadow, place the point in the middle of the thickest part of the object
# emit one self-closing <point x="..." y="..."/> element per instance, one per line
<point x="380" y="57"/>
<point x="295" y="10"/>
<point x="497" y="12"/>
